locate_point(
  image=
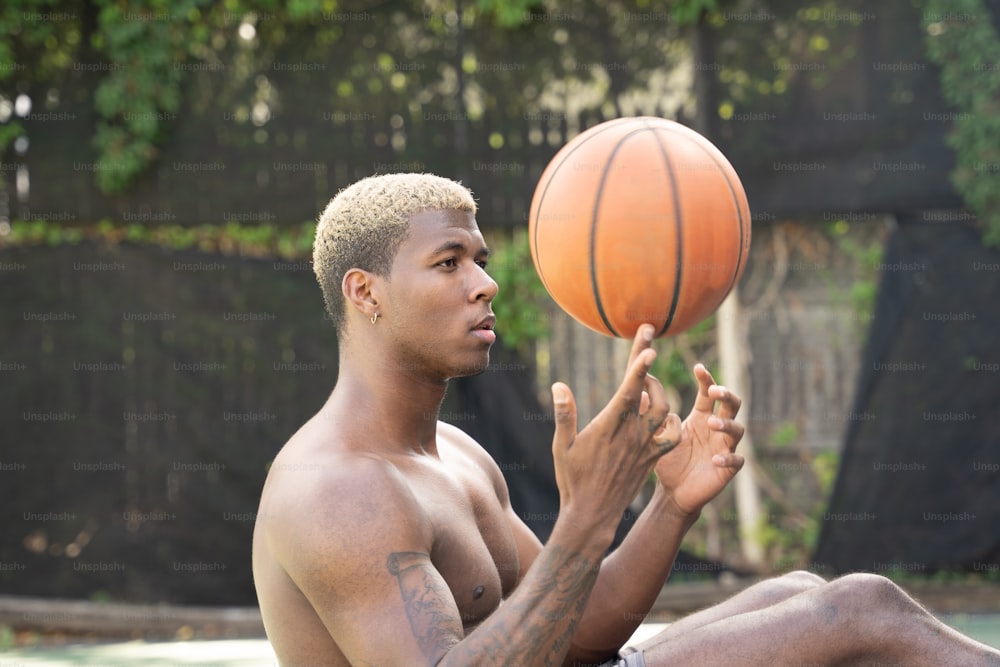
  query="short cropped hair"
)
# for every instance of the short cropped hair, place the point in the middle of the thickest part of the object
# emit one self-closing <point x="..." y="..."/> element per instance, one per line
<point x="364" y="224"/>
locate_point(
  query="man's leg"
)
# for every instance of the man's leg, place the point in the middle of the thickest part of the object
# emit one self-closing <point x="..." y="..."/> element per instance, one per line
<point x="760" y="595"/>
<point x="857" y="619"/>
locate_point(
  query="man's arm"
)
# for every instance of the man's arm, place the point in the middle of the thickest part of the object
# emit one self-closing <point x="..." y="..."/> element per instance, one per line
<point x="633" y="575"/>
<point x="688" y="477"/>
<point x="628" y="581"/>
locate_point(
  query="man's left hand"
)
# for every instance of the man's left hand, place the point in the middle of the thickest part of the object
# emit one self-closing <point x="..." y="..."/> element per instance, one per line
<point x="696" y="469"/>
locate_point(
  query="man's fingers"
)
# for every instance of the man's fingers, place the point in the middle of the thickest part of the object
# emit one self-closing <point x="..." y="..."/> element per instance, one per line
<point x="659" y="408"/>
<point x="732" y="461"/>
<point x="730" y="427"/>
<point x="629" y="394"/>
<point x="564" y="412"/>
<point x="703" y="402"/>
<point x="709" y="393"/>
<point x="642" y="340"/>
<point x="644" y="403"/>
<point x="729" y="403"/>
<point x="637" y="368"/>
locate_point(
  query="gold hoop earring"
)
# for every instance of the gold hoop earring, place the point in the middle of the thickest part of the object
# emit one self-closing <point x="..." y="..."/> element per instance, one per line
<point x="374" y="318"/>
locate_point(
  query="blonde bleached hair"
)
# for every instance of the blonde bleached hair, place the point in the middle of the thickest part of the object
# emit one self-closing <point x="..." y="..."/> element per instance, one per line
<point x="364" y="224"/>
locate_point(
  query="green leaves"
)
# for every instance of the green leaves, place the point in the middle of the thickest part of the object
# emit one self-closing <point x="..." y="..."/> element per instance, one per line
<point x="10" y="132"/>
<point x="688" y="12"/>
<point x="143" y="51"/>
<point x="288" y="242"/>
<point x="962" y="41"/>
<point x="508" y="13"/>
<point x="145" y="44"/>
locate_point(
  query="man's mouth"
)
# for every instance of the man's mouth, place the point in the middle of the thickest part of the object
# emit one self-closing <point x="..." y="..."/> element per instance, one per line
<point x="484" y="328"/>
<point x="487" y="323"/>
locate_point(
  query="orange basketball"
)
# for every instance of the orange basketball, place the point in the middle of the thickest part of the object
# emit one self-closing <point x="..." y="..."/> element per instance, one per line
<point x="639" y="220"/>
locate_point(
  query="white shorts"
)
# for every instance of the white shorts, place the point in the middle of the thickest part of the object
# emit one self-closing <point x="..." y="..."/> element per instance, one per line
<point x="630" y="660"/>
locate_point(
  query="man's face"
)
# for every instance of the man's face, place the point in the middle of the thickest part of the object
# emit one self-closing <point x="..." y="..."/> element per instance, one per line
<point x="437" y="300"/>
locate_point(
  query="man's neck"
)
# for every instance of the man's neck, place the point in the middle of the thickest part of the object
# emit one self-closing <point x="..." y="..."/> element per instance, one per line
<point x="398" y="411"/>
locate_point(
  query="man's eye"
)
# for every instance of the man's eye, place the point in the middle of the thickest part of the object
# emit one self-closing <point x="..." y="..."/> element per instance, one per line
<point x="450" y="262"/>
<point x="482" y="263"/>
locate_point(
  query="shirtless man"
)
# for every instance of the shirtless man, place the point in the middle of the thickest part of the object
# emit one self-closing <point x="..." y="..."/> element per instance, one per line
<point x="386" y="537"/>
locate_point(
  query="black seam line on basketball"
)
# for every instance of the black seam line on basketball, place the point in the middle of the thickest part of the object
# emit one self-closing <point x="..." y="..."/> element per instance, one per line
<point x="593" y="229"/>
<point x="679" y="228"/>
<point x="541" y="200"/>
<point x="736" y="205"/>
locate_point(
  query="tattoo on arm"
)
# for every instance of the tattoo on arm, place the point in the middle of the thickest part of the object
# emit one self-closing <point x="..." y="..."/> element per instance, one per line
<point x="537" y="628"/>
<point x="541" y="617"/>
<point x="425" y="597"/>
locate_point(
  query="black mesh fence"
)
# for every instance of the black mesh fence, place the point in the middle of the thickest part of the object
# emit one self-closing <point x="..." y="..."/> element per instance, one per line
<point x="919" y="484"/>
<point x="144" y="394"/>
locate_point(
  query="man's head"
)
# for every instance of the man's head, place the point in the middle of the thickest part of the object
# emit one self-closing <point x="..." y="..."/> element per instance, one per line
<point x="364" y="224"/>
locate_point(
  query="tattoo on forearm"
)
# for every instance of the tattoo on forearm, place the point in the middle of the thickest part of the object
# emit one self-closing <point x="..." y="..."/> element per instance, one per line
<point x="535" y="627"/>
<point x="425" y="598"/>
<point x="541" y="619"/>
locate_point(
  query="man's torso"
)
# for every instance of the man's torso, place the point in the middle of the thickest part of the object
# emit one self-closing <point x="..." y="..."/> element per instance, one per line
<point x="472" y="544"/>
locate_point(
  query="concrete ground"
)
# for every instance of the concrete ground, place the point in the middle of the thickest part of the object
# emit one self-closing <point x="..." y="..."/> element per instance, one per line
<point x="258" y="653"/>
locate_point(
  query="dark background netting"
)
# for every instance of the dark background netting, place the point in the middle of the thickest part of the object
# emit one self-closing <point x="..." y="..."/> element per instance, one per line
<point x="918" y="489"/>
<point x="139" y="420"/>
<point x="144" y="395"/>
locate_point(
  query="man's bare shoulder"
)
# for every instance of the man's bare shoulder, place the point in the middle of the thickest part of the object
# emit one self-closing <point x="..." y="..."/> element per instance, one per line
<point x="465" y="445"/>
<point x="322" y="496"/>
<point x="459" y="438"/>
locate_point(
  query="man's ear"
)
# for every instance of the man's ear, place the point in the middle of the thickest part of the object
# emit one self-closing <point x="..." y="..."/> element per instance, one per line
<point x="360" y="291"/>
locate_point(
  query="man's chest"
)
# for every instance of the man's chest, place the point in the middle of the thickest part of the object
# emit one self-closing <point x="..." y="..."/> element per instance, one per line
<point x="473" y="548"/>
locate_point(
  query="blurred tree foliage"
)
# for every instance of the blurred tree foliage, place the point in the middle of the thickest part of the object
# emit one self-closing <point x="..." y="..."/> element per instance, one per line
<point x="533" y="71"/>
<point x="142" y="51"/>
<point x="963" y="42"/>
<point x="406" y="65"/>
<point x="266" y="241"/>
<point x="393" y="62"/>
<point x="397" y="67"/>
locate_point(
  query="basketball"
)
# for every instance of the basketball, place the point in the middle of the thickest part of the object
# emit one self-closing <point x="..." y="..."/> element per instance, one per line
<point x="639" y="220"/>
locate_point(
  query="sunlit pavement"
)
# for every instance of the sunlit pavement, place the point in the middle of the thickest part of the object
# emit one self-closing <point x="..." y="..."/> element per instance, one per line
<point x="258" y="653"/>
<point x="222" y="653"/>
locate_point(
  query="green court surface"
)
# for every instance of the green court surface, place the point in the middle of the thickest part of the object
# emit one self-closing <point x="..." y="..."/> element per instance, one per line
<point x="258" y="653"/>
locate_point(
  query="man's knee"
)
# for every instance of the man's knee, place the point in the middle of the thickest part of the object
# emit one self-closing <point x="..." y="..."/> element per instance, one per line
<point x="869" y="591"/>
<point x="803" y="579"/>
<point x="797" y="581"/>
<point x="785" y="586"/>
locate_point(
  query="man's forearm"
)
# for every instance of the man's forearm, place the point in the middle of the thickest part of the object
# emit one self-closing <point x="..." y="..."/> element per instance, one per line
<point x="631" y="578"/>
<point x="536" y="624"/>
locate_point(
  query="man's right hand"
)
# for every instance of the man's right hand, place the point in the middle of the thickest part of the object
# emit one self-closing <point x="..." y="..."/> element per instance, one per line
<point x="600" y="469"/>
